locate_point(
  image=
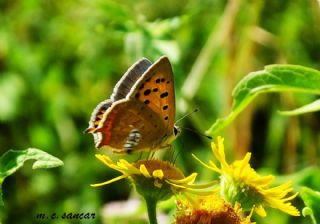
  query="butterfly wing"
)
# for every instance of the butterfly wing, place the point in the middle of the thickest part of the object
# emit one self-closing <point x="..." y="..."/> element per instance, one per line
<point x="125" y="116"/>
<point x="149" y="108"/>
<point x="120" y="91"/>
<point x="125" y="84"/>
<point x="155" y="88"/>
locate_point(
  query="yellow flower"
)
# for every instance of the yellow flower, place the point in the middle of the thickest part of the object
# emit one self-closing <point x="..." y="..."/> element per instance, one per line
<point x="209" y="209"/>
<point x="241" y="183"/>
<point x="154" y="178"/>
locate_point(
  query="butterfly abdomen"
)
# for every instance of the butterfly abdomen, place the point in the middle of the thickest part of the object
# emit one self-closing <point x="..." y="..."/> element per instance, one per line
<point x="132" y="140"/>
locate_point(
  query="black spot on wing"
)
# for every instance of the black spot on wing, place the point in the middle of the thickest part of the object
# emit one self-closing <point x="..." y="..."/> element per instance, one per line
<point x="163" y="95"/>
<point x="147" y="92"/>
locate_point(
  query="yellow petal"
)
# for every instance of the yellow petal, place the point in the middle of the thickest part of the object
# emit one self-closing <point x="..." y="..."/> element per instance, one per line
<point x="105" y="159"/>
<point x="291" y="197"/>
<point x="109" y="181"/>
<point x="158" y="174"/>
<point x="185" y="188"/>
<point x="285" y="207"/>
<point x="144" y="171"/>
<point x="282" y="189"/>
<point x="209" y="167"/>
<point x="215" y="150"/>
<point x="176" y="184"/>
<point x="127" y="165"/>
<point x="244" y="164"/>
<point x="279" y="191"/>
<point x="214" y="167"/>
<point x="108" y="162"/>
<point x="218" y="151"/>
<point x="260" y="211"/>
<point x="263" y="181"/>
<point x="203" y="186"/>
<point x="122" y="165"/>
<point x="187" y="180"/>
<point x="197" y="192"/>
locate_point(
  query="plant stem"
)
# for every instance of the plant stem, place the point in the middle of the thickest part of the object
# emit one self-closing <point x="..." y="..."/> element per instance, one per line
<point x="152" y="210"/>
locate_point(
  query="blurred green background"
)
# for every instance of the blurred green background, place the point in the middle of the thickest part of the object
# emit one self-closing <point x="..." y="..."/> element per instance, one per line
<point x="59" y="59"/>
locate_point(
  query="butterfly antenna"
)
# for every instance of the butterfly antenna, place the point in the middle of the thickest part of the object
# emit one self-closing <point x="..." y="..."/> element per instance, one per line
<point x="198" y="133"/>
<point x="186" y="115"/>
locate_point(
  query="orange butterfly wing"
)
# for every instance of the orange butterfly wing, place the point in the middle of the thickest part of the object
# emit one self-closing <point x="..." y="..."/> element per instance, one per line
<point x="126" y="115"/>
<point x="156" y="90"/>
<point x="120" y="91"/>
<point x="149" y="107"/>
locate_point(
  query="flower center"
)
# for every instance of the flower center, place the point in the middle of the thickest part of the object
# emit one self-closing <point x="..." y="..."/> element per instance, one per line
<point x="168" y="169"/>
<point x="229" y="216"/>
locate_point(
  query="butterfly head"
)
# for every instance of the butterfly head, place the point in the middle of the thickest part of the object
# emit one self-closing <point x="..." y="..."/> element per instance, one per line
<point x="176" y="131"/>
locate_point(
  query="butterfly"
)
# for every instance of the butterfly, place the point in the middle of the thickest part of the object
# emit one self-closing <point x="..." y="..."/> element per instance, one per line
<point x="140" y="114"/>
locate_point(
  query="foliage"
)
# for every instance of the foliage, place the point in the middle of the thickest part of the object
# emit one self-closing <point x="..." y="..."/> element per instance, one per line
<point x="12" y="160"/>
<point x="274" y="78"/>
<point x="312" y="200"/>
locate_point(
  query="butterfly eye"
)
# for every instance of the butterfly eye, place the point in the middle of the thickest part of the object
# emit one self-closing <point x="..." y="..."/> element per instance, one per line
<point x="176" y="131"/>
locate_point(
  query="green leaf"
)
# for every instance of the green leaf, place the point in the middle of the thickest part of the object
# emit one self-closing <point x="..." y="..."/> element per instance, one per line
<point x="306" y="177"/>
<point x="312" y="107"/>
<point x="274" y="78"/>
<point x="12" y="160"/>
<point x="311" y="199"/>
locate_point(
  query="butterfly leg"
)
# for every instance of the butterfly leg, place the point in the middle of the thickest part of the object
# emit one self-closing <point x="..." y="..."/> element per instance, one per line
<point x="151" y="155"/>
<point x="170" y="156"/>
<point x="132" y="140"/>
